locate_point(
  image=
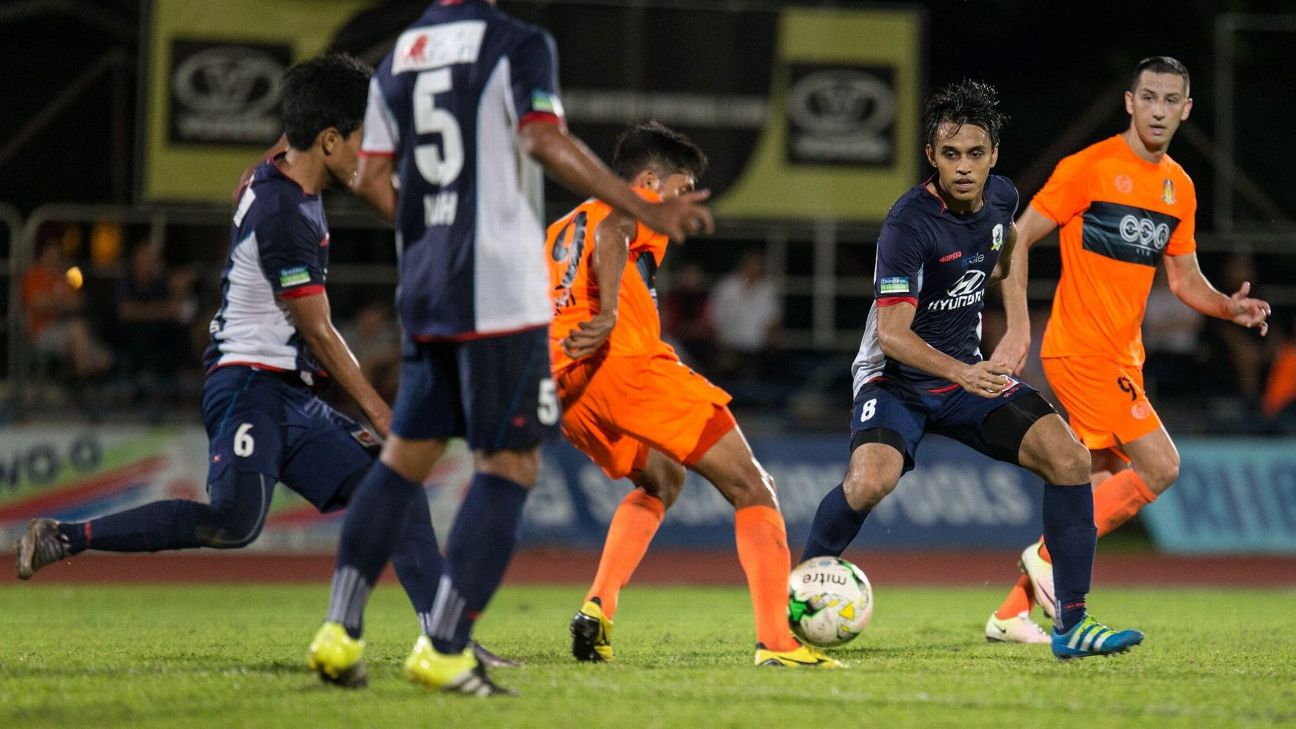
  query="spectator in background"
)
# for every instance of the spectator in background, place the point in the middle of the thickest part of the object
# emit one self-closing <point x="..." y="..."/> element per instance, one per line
<point x="747" y="314"/>
<point x="56" y="325"/>
<point x="1171" y="330"/>
<point x="154" y="309"/>
<point x="686" y="317"/>
<point x="375" y="341"/>
<point x="1279" y="401"/>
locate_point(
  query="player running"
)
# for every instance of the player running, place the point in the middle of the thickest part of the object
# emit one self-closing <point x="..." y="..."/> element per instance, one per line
<point x="638" y="412"/>
<point x="458" y="110"/>
<point x="919" y="369"/>
<point x="1124" y="206"/>
<point x="272" y="344"/>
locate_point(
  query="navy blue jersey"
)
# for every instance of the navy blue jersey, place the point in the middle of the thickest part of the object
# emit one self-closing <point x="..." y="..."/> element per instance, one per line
<point x="447" y="104"/>
<point x="279" y="246"/>
<point x="940" y="263"/>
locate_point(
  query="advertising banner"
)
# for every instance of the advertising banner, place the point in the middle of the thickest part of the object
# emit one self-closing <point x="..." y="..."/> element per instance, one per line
<point x="1232" y="496"/>
<point x="804" y="113"/>
<point x="212" y="85"/>
<point x="954" y="498"/>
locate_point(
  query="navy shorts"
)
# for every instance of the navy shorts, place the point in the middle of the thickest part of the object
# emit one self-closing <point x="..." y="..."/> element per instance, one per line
<point x="497" y="392"/>
<point x="264" y="422"/>
<point x="911" y="413"/>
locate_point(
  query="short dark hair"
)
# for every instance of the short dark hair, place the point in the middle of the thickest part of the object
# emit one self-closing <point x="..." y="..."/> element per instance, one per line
<point x="329" y="91"/>
<point x="1159" y="64"/>
<point x="966" y="102"/>
<point x="654" y="146"/>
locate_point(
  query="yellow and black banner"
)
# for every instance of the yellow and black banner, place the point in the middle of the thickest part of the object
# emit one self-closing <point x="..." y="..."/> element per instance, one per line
<point x="212" y="87"/>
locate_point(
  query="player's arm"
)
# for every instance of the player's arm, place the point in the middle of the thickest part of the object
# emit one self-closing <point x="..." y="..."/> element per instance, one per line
<point x="578" y="169"/>
<point x="899" y="342"/>
<point x="1003" y="266"/>
<point x="1015" y="344"/>
<point x="612" y="238"/>
<point x="373" y="184"/>
<point x="1187" y="282"/>
<point x="313" y="317"/>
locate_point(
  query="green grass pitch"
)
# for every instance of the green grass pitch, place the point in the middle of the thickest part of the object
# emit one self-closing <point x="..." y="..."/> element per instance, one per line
<point x="233" y="656"/>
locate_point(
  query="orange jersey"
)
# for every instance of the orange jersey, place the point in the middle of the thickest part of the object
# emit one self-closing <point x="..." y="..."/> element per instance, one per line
<point x="1119" y="215"/>
<point x="574" y="284"/>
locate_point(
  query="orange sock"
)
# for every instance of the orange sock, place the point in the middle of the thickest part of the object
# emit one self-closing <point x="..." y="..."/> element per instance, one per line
<point x="632" y="529"/>
<point x="763" y="553"/>
<point x="1116" y="501"/>
<point x="1018" y="600"/>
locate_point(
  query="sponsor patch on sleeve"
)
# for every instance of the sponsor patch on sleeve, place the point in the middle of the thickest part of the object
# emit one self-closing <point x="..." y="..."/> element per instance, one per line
<point x="543" y="101"/>
<point x="894" y="285"/>
<point x="295" y="276"/>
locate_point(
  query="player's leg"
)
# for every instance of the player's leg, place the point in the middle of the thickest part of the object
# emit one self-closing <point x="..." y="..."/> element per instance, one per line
<point x="510" y="406"/>
<point x="633" y="526"/>
<point x="1050" y="449"/>
<point x="244" y="423"/>
<point x="885" y="430"/>
<point x="761" y="536"/>
<point x="427" y="412"/>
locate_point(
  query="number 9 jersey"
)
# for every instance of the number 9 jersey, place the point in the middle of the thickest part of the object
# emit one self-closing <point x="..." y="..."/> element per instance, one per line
<point x="446" y="104"/>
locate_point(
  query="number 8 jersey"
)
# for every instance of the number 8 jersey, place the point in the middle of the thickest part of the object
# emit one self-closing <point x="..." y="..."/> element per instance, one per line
<point x="447" y="104"/>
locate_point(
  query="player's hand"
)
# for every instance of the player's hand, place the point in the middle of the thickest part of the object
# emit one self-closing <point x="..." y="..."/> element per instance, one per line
<point x="680" y="217"/>
<point x="588" y="336"/>
<point x="986" y="378"/>
<point x="1247" y="312"/>
<point x="1013" y="348"/>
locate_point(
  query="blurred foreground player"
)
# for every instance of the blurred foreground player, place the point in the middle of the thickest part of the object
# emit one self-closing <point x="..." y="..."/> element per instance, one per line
<point x="1124" y="206"/>
<point x="638" y="412"/>
<point x="919" y="369"/>
<point x="457" y="111"/>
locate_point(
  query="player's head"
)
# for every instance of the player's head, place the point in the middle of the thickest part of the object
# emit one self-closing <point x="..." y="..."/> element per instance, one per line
<point x="324" y="105"/>
<point x="1158" y="100"/>
<point x="655" y="157"/>
<point x="963" y="123"/>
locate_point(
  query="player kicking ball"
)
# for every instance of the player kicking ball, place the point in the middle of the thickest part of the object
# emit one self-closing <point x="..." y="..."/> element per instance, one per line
<point x="638" y="412"/>
<point x="919" y="369"/>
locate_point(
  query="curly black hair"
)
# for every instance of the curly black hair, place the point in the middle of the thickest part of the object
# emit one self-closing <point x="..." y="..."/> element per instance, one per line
<point x="966" y="102"/>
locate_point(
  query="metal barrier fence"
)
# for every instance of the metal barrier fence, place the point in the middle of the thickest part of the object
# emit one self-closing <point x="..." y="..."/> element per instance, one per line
<point x="822" y="269"/>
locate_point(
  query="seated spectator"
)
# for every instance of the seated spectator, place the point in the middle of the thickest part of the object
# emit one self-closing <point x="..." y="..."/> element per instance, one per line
<point x="686" y="317"/>
<point x="1279" y="402"/>
<point x="154" y="309"/>
<point x="56" y="325"/>
<point x="747" y="313"/>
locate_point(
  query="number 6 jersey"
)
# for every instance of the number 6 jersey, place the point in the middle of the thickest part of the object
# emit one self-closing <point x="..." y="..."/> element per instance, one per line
<point x="446" y="104"/>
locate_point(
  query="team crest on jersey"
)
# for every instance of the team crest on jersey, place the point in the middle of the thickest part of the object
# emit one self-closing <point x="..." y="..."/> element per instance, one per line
<point x="894" y="285"/>
<point x="1167" y="192"/>
<point x="996" y="237"/>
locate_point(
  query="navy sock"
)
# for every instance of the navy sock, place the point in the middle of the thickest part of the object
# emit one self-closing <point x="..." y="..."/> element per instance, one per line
<point x="375" y="521"/>
<point x="1071" y="537"/>
<point x="477" y="553"/>
<point x="835" y="526"/>
<point x="417" y="560"/>
<point x="149" y="528"/>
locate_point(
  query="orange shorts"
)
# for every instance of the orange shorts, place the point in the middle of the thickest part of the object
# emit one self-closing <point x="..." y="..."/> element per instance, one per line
<point x="1105" y="400"/>
<point x="616" y="408"/>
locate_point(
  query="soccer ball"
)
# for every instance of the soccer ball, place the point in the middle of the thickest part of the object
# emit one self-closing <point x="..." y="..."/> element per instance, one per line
<point x="829" y="601"/>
